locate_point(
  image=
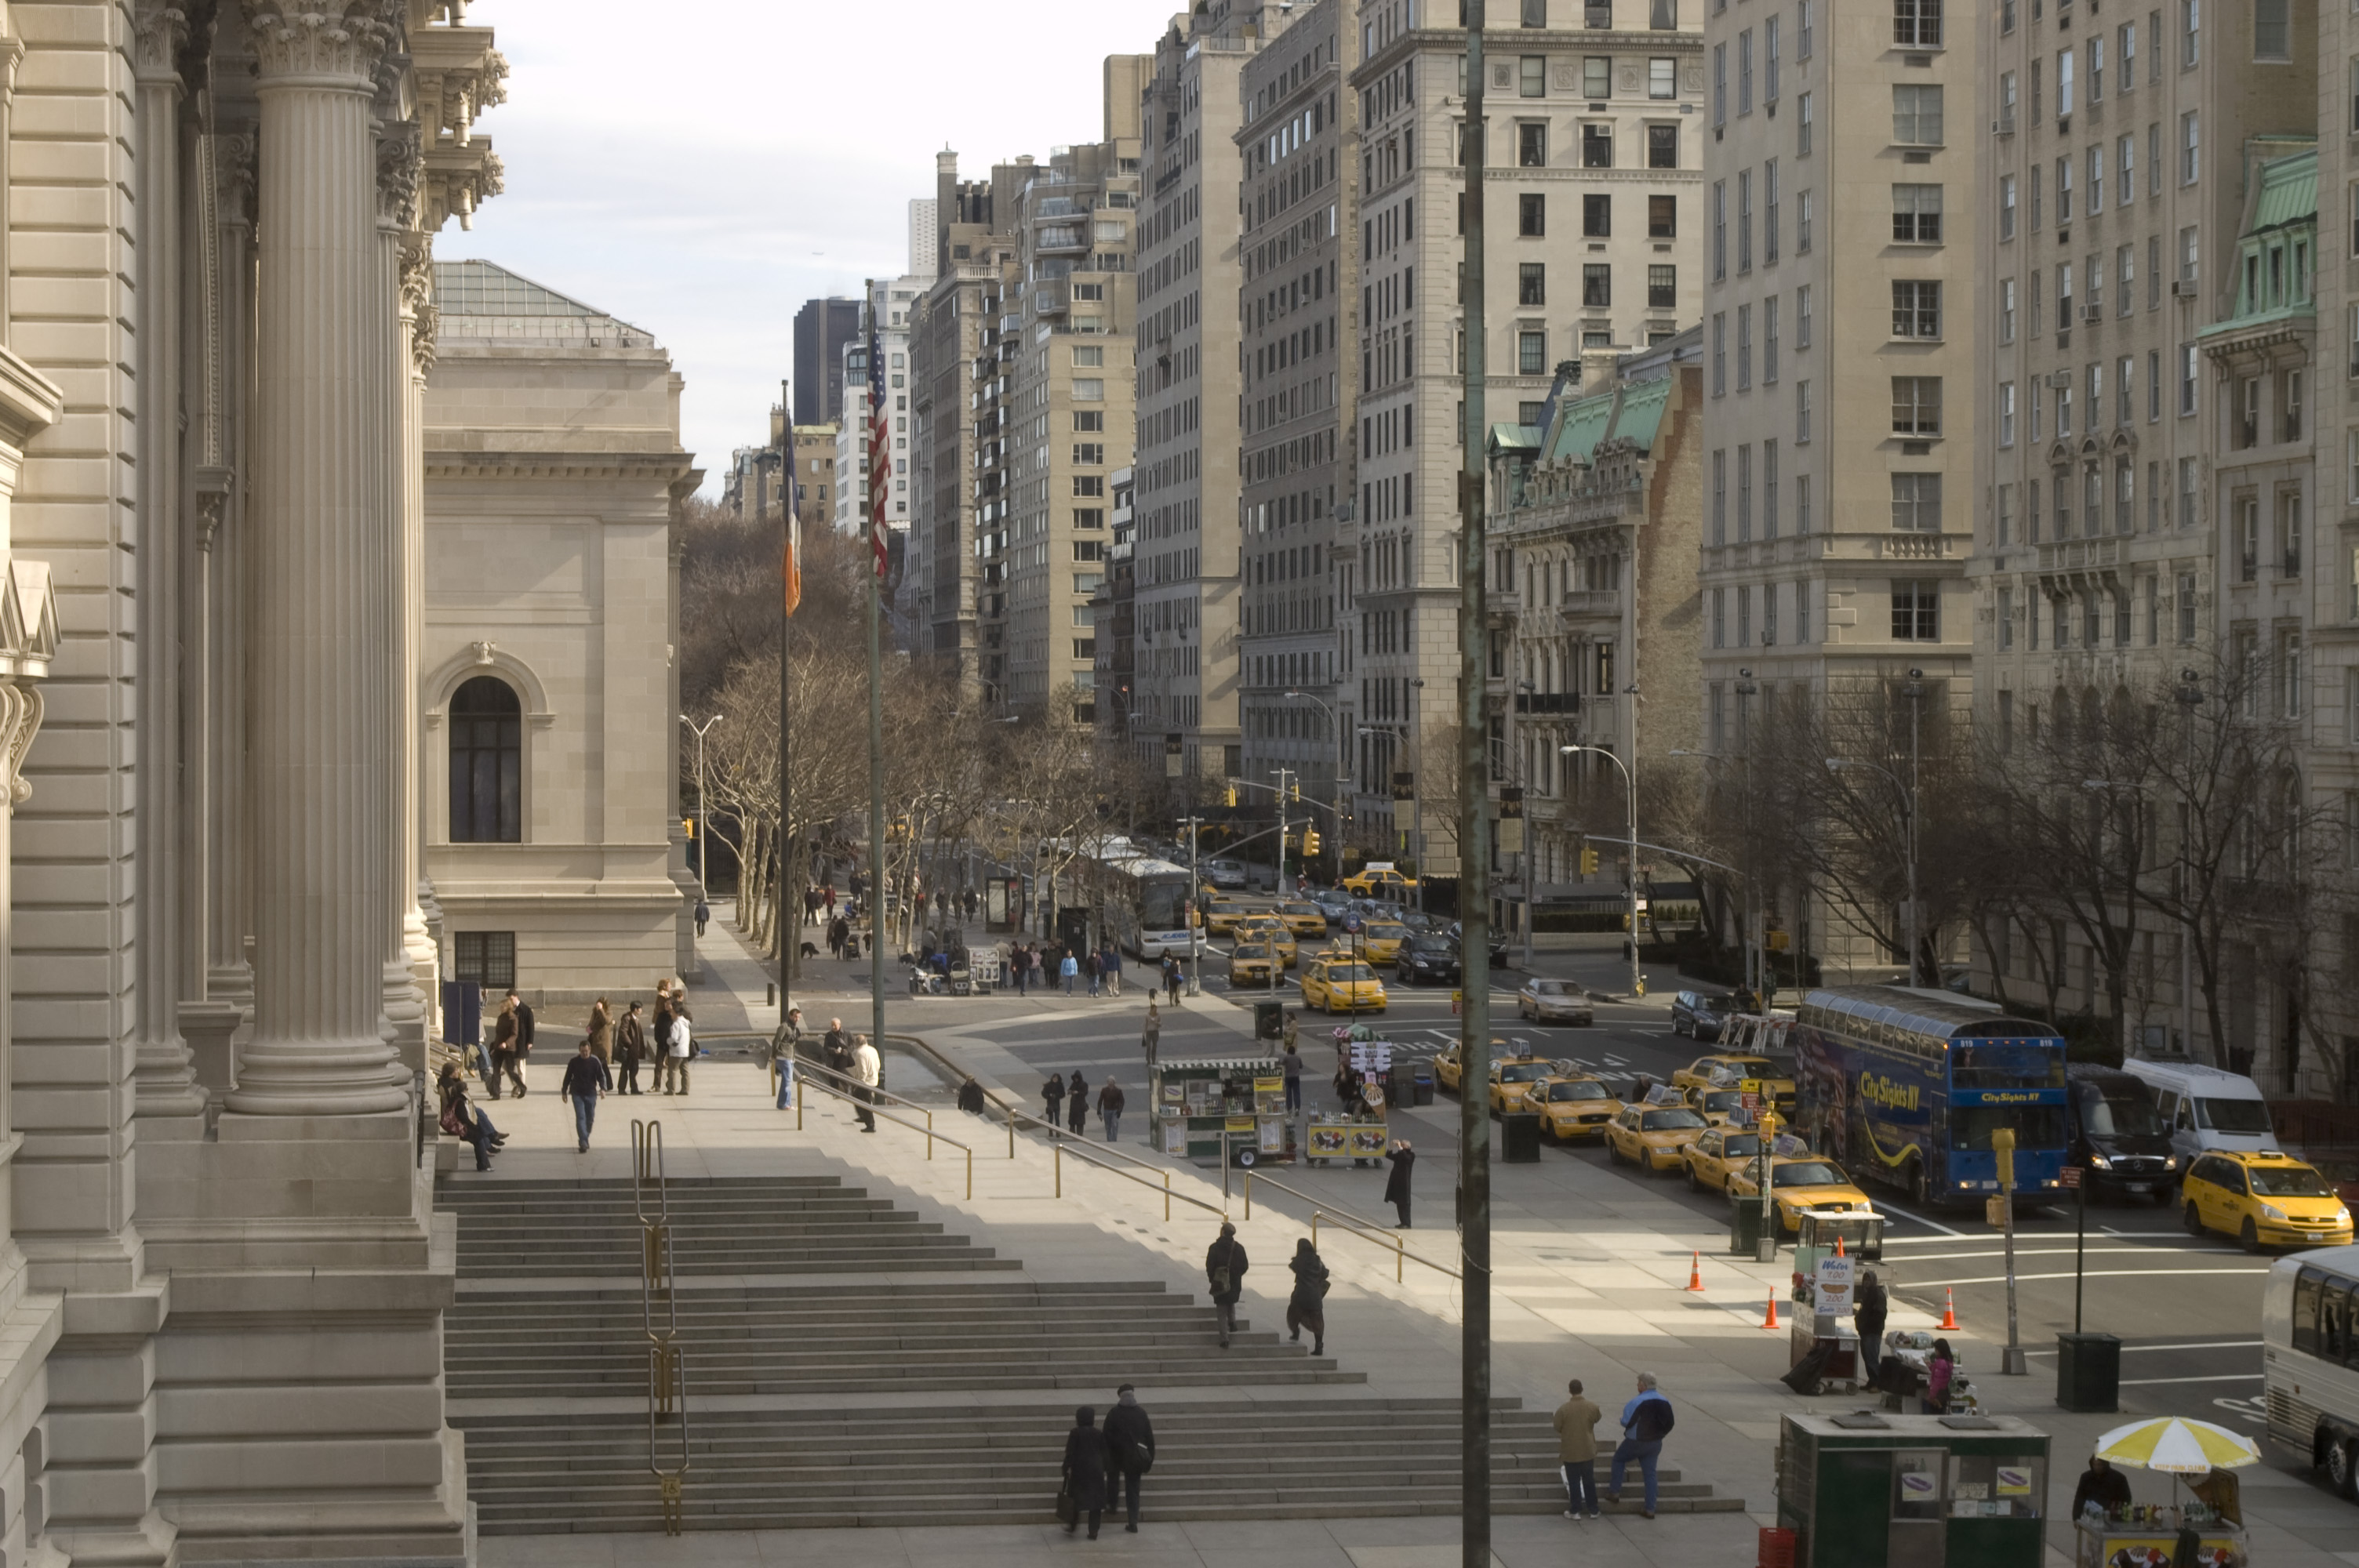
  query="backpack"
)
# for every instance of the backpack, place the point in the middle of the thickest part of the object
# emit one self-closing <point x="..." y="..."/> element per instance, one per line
<point x="1653" y="1422"/>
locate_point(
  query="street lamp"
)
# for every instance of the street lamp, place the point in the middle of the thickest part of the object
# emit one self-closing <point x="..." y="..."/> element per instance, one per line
<point x="703" y="818"/>
<point x="2189" y="696"/>
<point x="1335" y="785"/>
<point x="1638" y="980"/>
<point x="1909" y="841"/>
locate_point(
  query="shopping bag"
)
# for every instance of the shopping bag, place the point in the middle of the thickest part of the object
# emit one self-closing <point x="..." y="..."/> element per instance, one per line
<point x="1069" y="1510"/>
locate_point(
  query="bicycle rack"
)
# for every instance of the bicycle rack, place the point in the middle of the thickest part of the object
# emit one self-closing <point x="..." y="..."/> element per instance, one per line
<point x="667" y="1366"/>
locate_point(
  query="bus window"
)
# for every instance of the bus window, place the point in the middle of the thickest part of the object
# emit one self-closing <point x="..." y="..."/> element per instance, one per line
<point x="2036" y="1126"/>
<point x="2309" y="1330"/>
<point x="2334" y="1320"/>
<point x="2004" y="1067"/>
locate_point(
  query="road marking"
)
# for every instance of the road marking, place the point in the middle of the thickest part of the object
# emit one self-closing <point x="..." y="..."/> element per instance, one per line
<point x="2036" y="1253"/>
<point x="1920" y="1219"/>
<point x="2214" y="1345"/>
<point x="2222" y="1378"/>
<point x="2092" y="1273"/>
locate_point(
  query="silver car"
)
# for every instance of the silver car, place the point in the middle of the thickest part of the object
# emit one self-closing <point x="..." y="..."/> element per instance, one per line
<point x="1555" y="1002"/>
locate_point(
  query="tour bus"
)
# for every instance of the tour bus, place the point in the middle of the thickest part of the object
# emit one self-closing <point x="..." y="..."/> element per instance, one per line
<point x="1140" y="902"/>
<point x="2309" y="1364"/>
<point x="1906" y="1085"/>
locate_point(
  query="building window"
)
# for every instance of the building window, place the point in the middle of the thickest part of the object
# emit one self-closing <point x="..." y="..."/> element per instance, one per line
<point x="1531" y="76"/>
<point x="1743" y="347"/>
<point x="485" y="958"/>
<point x="2185" y="607"/>
<point x="1802" y="209"/>
<point x="1531" y="283"/>
<point x="1597" y="217"/>
<point x="1769" y="339"/>
<point x="1596" y="147"/>
<point x="1916" y="114"/>
<point x="2006" y="207"/>
<point x="2187" y="370"/>
<point x="486" y="763"/>
<point x="1915" y="611"/>
<point x="1663" y="16"/>
<point x="1662" y="79"/>
<point x="1531" y="214"/>
<point x="1916" y="214"/>
<point x="1917" y="309"/>
<point x="2006" y="620"/>
<point x="1743" y="494"/>
<point x="1917" y="405"/>
<point x="1596" y="284"/>
<point x="2005" y="425"/>
<point x="1662" y="216"/>
<point x="1802" y="413"/>
<point x="1719" y="497"/>
<point x="2273" y="32"/>
<point x="2191" y="148"/>
<point x="1531" y="146"/>
<point x="1536" y="13"/>
<point x="1662" y="286"/>
<point x="1662" y="146"/>
<point x="1916" y="24"/>
<point x="1531" y="353"/>
<point x="1719" y="352"/>
<point x="2289" y="532"/>
<point x="2007" y="311"/>
<point x="1916" y="503"/>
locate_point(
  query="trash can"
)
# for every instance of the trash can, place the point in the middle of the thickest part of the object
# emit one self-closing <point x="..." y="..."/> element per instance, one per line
<point x="1743" y="1229"/>
<point x="2088" y="1371"/>
<point x="1424" y="1082"/>
<point x="1270" y="1020"/>
<point x="1519" y="1137"/>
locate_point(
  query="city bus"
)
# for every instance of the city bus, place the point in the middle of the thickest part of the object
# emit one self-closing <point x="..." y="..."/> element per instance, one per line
<point x="1905" y="1086"/>
<point x="2310" y="1365"/>
<point x="1140" y="903"/>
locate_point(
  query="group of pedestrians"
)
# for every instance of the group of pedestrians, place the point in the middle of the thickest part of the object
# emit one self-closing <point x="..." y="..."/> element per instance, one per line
<point x="606" y="1061"/>
<point x="1095" y="1455"/>
<point x="1062" y="1099"/>
<point x="1646" y="1421"/>
<point x="1027" y="964"/>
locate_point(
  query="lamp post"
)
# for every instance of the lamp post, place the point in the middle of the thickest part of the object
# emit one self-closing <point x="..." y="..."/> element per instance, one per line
<point x="1908" y="839"/>
<point x="703" y="818"/>
<point x="1335" y="784"/>
<point x="1638" y="980"/>
<point x="2189" y="697"/>
<point x="1393" y="732"/>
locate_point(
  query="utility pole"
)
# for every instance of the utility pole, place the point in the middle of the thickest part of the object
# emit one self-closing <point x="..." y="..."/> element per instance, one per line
<point x="879" y="461"/>
<point x="703" y="818"/>
<point x="1473" y="867"/>
<point x="1283" y="774"/>
<point x="789" y="885"/>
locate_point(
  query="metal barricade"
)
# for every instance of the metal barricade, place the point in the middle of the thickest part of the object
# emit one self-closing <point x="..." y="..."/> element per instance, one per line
<point x="667" y="1365"/>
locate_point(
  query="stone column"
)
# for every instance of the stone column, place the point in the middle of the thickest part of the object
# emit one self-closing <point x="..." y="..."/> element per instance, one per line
<point x="418" y="927"/>
<point x="163" y="1081"/>
<point x="399" y="152"/>
<point x="320" y="749"/>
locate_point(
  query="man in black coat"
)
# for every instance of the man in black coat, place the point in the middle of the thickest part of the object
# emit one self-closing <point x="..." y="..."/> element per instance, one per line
<point x="1868" y="1317"/>
<point x="1130" y="1446"/>
<point x="523" y="1038"/>
<point x="1404" y="1160"/>
<point x="1224" y="1266"/>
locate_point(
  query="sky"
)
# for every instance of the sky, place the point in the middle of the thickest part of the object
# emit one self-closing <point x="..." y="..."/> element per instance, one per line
<point x="702" y="171"/>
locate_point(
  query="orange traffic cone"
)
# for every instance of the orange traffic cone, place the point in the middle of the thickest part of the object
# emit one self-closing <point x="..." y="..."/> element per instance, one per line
<point x="1839" y="1247"/>
<point x="1695" y="1273"/>
<point x="1771" y="1321"/>
<point x="1949" y="1308"/>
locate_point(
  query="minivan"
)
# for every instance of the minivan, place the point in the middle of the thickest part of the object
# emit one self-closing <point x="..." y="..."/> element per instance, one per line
<point x="2118" y="1138"/>
<point x="2202" y="1109"/>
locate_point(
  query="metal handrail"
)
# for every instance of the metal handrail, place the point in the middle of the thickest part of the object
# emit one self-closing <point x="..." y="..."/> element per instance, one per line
<point x="933" y="1137"/>
<point x="844" y="1077"/>
<point x="1369" y="1229"/>
<point x="667" y="1366"/>
<point x="1065" y="1135"/>
<point x="1088" y="1159"/>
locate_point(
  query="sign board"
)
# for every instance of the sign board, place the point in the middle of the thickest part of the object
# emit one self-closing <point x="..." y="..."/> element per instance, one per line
<point x="2072" y="1175"/>
<point x="1365" y="1139"/>
<point x="1663" y="1093"/>
<point x="1242" y="1124"/>
<point x="1786" y="1146"/>
<point x="1834" y="1286"/>
<point x="1752" y="1101"/>
<point x="1370" y="1055"/>
<point x="2014" y="1481"/>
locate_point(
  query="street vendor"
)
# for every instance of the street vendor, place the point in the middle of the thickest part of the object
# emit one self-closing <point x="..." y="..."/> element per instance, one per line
<point x="2102" y="1485"/>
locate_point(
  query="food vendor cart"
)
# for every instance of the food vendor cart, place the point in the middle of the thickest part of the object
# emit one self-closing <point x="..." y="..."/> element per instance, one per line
<point x="1873" y="1491"/>
<point x="2148" y="1535"/>
<point x="1233" y="1102"/>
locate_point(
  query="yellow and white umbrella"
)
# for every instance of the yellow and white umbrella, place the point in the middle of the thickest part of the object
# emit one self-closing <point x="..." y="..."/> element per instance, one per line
<point x="2177" y="1446"/>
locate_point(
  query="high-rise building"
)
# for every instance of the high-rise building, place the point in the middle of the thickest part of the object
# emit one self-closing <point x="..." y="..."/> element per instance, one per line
<point x="821" y="329"/>
<point x="1591" y="182"/>
<point x="1299" y="162"/>
<point x="890" y="303"/>
<point x="1845" y="161"/>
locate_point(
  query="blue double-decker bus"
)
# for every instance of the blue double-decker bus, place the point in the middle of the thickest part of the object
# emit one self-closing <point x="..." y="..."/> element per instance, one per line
<point x="1906" y="1087"/>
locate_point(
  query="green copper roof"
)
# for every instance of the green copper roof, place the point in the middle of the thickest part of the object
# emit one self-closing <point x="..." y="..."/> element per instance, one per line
<point x="1515" y="439"/>
<point x="2289" y="192"/>
<point x="1579" y="426"/>
<point x="1642" y="412"/>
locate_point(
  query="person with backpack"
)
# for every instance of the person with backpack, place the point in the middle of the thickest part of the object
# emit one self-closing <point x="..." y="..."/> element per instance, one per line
<point x="1645" y="1421"/>
<point x="1130" y="1444"/>
<point x="1052" y="1097"/>
<point x="1225" y="1267"/>
<point x="680" y="1048"/>
<point x="1868" y="1316"/>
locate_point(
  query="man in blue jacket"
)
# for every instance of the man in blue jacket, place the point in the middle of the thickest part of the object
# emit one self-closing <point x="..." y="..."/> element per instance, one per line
<point x="1645" y="1421"/>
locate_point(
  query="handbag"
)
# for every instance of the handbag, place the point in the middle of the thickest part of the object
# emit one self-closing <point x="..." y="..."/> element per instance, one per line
<point x="452" y="1124"/>
<point x="1069" y="1507"/>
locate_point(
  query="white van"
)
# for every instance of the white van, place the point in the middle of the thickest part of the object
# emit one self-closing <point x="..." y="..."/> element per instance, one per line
<point x="2204" y="1108"/>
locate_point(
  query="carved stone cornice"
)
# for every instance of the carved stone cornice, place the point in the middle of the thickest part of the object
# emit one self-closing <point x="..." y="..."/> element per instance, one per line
<point x="341" y="39"/>
<point x="159" y="31"/>
<point x="29" y="402"/>
<point x="417" y="296"/>
<point x="458" y="180"/>
<point x="28" y="618"/>
<point x="400" y="157"/>
<point x="458" y="75"/>
<point x="20" y="720"/>
<point x="234" y="174"/>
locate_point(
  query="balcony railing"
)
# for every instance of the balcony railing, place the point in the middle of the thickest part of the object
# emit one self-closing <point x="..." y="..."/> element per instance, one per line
<point x="1591" y="604"/>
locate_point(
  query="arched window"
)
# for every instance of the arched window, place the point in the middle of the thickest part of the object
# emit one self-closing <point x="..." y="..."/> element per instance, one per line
<point x="486" y="763"/>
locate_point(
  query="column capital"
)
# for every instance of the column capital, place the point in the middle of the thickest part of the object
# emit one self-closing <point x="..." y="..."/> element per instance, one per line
<point x="322" y="38"/>
<point x="159" y="31"/>
<point x="400" y="152"/>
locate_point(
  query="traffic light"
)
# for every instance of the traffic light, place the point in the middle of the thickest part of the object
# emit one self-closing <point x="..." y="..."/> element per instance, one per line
<point x="687" y="825"/>
<point x="1229" y="796"/>
<point x="1589" y="862"/>
<point x="1309" y="841"/>
<point x="1295" y="790"/>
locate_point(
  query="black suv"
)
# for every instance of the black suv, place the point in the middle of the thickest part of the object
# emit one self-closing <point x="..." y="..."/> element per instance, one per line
<point x="1498" y="943"/>
<point x="1427" y="959"/>
<point x="1699" y="1015"/>
<point x="2118" y="1138"/>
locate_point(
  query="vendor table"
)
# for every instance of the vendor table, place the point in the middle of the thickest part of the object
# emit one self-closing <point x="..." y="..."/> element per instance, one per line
<point x="2122" y="1544"/>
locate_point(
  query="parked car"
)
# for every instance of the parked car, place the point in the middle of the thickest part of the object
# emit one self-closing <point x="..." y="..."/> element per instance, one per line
<point x="1225" y="874"/>
<point x="1555" y="1002"/>
<point x="1653" y="1135"/>
<point x="1576" y="1106"/>
<point x="1701" y="1015"/>
<point x="1499" y="944"/>
<point x="1426" y="959"/>
<point x="1798" y="1183"/>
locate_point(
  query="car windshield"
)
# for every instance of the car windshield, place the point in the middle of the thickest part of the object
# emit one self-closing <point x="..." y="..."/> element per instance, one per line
<point x="1667" y="1120"/>
<point x="2116" y="1109"/>
<point x="1252" y="950"/>
<point x="2233" y="1115"/>
<point x="1577" y="1091"/>
<point x="2288" y="1182"/>
<point x="1740" y="1145"/>
<point x="1552" y="988"/>
<point x="1522" y="1071"/>
<point x="1808" y="1173"/>
<point x="1724" y="1099"/>
<point x="1387" y="932"/>
<point x="1340" y="972"/>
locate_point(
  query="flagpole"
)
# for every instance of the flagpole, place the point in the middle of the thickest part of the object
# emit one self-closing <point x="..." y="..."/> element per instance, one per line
<point x="790" y="925"/>
<point x="879" y="467"/>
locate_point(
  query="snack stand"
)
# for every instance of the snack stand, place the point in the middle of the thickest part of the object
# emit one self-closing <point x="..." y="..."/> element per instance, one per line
<point x="1873" y="1491"/>
<point x="1361" y="1138"/>
<point x="2151" y="1535"/>
<point x="1201" y="1105"/>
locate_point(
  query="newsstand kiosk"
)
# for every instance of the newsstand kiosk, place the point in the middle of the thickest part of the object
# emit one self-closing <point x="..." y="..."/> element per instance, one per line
<point x="1870" y="1489"/>
<point x="1238" y="1102"/>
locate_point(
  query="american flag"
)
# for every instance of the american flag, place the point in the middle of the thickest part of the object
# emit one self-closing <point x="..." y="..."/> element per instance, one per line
<point x="880" y="459"/>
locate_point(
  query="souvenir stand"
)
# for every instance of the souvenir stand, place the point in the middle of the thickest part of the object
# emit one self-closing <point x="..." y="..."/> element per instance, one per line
<point x="1359" y="1135"/>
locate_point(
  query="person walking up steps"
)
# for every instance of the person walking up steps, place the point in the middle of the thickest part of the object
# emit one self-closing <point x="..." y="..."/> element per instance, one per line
<point x="1052" y="1096"/>
<point x="1085" y="1470"/>
<point x="524" y="1037"/>
<point x="1110" y="1103"/>
<point x="601" y="1031"/>
<point x="1645" y="1421"/>
<point x="869" y="1068"/>
<point x="585" y="1084"/>
<point x="1077" y="1101"/>
<point x="630" y="1049"/>
<point x="504" y="1030"/>
<point x="1576" y="1450"/>
<point x="787" y="1058"/>
<point x="1307" y="1307"/>
<point x="1225" y="1267"/>
<point x="1130" y="1443"/>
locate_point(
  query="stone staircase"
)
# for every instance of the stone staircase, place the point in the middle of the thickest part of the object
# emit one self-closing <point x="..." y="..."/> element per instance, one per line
<point x="863" y="1367"/>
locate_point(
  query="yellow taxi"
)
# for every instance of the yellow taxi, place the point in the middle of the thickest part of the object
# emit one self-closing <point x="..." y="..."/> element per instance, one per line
<point x="1449" y="1068"/>
<point x="1379" y="881"/>
<point x="1715" y="1155"/>
<point x="1654" y="1136"/>
<point x="1222" y="915"/>
<point x="1574" y="1107"/>
<point x="1341" y="985"/>
<point x="1304" y="919"/>
<point x="2263" y="1198"/>
<point x="1514" y="1078"/>
<point x="1381" y="940"/>
<point x="1799" y="1184"/>
<point x="1250" y="964"/>
<point x="1271" y="932"/>
<point x="1736" y="1072"/>
<point x="1718" y="1106"/>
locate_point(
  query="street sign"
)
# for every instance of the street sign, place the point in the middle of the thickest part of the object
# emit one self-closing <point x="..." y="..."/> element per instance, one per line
<point x="2072" y="1175"/>
<point x="1752" y="1101"/>
<point x="1351" y="923"/>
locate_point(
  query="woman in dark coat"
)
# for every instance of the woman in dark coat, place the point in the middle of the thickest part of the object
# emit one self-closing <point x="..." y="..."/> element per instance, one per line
<point x="1052" y="1095"/>
<point x="1085" y="1469"/>
<point x="1404" y="1159"/>
<point x="1307" y="1307"/>
<point x="1077" y="1101"/>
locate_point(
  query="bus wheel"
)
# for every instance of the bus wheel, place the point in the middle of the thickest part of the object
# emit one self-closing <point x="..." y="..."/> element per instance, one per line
<point x="1916" y="1191"/>
<point x="2192" y="1220"/>
<point x="2341" y="1456"/>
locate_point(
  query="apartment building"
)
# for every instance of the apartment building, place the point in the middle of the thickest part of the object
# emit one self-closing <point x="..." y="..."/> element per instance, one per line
<point x="1593" y="524"/>
<point x="1299" y="163"/>
<point x="889" y="303"/>
<point x="1594" y="161"/>
<point x="1188" y="351"/>
<point x="1845" y="151"/>
<point x="1063" y="399"/>
<point x="1113" y="615"/>
<point x="957" y="451"/>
